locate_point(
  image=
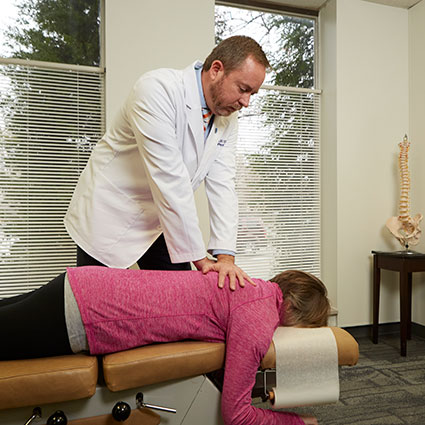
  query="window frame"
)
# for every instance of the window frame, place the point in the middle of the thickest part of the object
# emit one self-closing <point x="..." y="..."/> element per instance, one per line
<point x="265" y="7"/>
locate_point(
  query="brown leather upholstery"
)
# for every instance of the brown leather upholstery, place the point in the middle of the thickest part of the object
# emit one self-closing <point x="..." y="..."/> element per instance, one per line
<point x="348" y="348"/>
<point x="161" y="362"/>
<point x="49" y="380"/>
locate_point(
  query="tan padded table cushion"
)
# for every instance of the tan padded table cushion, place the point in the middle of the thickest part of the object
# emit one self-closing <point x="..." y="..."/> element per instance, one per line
<point x="47" y="380"/>
<point x="157" y="363"/>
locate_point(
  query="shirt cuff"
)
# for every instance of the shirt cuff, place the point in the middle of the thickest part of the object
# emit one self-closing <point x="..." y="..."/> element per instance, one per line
<point x="216" y="252"/>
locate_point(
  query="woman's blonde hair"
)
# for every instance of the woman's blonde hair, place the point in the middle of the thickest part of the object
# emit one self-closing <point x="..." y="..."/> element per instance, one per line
<point x="305" y="297"/>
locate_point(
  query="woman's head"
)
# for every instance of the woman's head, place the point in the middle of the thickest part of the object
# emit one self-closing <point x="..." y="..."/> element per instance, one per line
<point x="305" y="298"/>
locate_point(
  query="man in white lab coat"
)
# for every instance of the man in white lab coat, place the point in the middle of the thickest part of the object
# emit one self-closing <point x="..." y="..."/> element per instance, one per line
<point x="134" y="200"/>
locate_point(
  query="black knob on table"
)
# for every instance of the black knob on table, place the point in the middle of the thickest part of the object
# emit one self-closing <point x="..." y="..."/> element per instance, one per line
<point x="57" y="418"/>
<point x="121" y="411"/>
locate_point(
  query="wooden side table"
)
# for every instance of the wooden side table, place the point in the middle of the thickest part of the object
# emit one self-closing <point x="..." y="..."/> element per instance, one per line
<point x="405" y="262"/>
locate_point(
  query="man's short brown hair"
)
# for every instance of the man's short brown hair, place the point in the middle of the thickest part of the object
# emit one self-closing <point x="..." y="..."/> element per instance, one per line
<point x="233" y="51"/>
<point x="306" y="298"/>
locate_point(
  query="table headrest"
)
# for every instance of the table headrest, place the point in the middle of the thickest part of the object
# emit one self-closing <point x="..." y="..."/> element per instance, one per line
<point x="348" y="350"/>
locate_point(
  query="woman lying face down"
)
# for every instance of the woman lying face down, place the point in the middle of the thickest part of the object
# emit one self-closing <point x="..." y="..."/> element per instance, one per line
<point x="103" y="310"/>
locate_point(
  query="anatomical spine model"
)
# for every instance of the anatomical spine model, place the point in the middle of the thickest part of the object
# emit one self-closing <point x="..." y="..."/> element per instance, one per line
<point x="405" y="228"/>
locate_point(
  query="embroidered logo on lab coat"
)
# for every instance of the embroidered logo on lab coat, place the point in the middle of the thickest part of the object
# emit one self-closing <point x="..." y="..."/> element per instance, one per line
<point x="221" y="142"/>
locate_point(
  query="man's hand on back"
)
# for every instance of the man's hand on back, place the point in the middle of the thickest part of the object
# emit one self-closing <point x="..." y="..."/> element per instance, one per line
<point x="225" y="266"/>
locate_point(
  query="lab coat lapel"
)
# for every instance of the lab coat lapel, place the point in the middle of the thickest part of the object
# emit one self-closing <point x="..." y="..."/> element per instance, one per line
<point x="193" y="105"/>
<point x="205" y="151"/>
<point x="209" y="150"/>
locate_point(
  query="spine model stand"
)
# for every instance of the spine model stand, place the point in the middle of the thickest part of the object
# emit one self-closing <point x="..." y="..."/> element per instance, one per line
<point x="405" y="228"/>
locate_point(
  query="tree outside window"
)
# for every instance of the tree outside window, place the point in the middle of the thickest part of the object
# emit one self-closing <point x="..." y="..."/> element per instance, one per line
<point x="63" y="31"/>
<point x="288" y="41"/>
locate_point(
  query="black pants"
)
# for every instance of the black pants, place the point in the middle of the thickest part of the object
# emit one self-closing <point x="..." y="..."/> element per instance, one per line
<point x="33" y="324"/>
<point x="155" y="258"/>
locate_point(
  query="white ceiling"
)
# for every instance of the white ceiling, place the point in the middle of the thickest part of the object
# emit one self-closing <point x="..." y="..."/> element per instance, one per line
<point x="405" y="4"/>
<point x="317" y="4"/>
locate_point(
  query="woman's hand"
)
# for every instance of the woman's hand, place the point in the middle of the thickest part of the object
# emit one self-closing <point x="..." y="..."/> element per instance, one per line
<point x="309" y="420"/>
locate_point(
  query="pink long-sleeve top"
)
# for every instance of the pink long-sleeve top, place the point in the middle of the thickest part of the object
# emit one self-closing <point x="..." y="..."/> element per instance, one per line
<point x="122" y="309"/>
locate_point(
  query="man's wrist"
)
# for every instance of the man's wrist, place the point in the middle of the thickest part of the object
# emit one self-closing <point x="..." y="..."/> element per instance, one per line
<point x="200" y="263"/>
<point x="226" y="257"/>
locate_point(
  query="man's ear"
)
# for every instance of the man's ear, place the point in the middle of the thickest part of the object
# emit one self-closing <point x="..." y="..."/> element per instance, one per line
<point x="216" y="69"/>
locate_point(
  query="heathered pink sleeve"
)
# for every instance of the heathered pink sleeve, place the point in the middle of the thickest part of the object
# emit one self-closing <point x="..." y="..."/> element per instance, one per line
<point x="249" y="334"/>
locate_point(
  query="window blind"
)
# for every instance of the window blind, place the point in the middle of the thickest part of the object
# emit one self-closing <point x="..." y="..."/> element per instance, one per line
<point x="278" y="183"/>
<point x="50" y="119"/>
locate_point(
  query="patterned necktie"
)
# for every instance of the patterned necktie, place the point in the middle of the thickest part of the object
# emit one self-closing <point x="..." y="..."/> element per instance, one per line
<point x="206" y="116"/>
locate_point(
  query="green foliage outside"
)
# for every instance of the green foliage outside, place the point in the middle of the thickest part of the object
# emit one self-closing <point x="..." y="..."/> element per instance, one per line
<point x="65" y="31"/>
<point x="288" y="42"/>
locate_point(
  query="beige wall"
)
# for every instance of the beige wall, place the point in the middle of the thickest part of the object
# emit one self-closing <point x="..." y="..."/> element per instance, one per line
<point x="368" y="78"/>
<point x="141" y="35"/>
<point x="417" y="137"/>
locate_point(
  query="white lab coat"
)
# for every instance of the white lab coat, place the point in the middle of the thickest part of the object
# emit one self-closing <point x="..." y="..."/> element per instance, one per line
<point x="140" y="178"/>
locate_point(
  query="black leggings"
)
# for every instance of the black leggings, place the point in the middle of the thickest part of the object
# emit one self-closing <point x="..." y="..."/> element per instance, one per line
<point x="33" y="324"/>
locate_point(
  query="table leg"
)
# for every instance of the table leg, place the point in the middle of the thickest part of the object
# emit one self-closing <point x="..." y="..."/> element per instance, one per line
<point x="404" y="309"/>
<point x="376" y="287"/>
<point x="409" y="311"/>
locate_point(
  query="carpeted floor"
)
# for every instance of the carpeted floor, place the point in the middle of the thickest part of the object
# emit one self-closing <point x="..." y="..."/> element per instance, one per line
<point x="383" y="388"/>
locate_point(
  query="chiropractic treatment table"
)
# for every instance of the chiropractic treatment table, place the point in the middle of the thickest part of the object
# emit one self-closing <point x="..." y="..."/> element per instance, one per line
<point x="128" y="387"/>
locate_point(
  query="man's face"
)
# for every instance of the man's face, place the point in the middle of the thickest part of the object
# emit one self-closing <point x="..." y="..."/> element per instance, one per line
<point x="230" y="92"/>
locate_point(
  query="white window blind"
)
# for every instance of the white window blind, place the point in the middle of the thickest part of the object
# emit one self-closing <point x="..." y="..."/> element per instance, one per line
<point x="50" y="119"/>
<point x="278" y="183"/>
